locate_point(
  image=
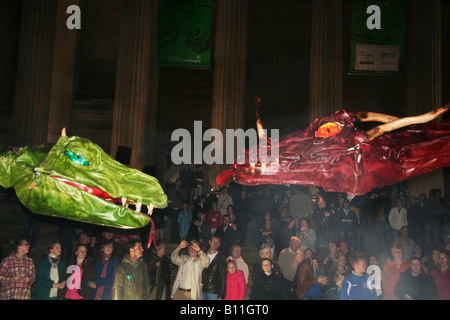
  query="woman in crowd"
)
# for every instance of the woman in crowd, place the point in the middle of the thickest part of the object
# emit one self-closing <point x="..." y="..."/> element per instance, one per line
<point x="48" y="274"/>
<point x="105" y="270"/>
<point x="17" y="273"/>
<point x="306" y="235"/>
<point x="418" y="253"/>
<point x="336" y="273"/>
<point x="267" y="232"/>
<point x="284" y="233"/>
<point x="391" y="273"/>
<point x="441" y="274"/>
<point x="308" y="280"/>
<point x="78" y="274"/>
<point x="159" y="273"/>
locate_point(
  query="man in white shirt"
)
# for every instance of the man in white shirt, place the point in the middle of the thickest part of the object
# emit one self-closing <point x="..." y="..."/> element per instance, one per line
<point x="397" y="218"/>
<point x="290" y="258"/>
<point x="188" y="282"/>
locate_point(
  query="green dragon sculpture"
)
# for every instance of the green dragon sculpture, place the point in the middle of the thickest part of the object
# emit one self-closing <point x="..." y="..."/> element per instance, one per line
<point x="75" y="179"/>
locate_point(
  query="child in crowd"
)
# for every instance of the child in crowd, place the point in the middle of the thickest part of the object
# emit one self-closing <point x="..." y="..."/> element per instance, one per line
<point x="236" y="285"/>
<point x="356" y="286"/>
<point x="214" y="218"/>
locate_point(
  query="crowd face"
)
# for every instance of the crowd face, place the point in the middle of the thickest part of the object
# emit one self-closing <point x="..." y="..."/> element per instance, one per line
<point x="360" y="267"/>
<point x="308" y="254"/>
<point x="236" y="253"/>
<point x="267" y="254"/>
<point x="23" y="248"/>
<point x="397" y="254"/>
<point x="295" y="244"/>
<point x="108" y="249"/>
<point x="137" y="251"/>
<point x="342" y="260"/>
<point x="56" y="250"/>
<point x="373" y="261"/>
<point x="415" y="266"/>
<point x="231" y="267"/>
<point x="443" y="261"/>
<point x="267" y="267"/>
<point x="81" y="252"/>
<point x="214" y="244"/>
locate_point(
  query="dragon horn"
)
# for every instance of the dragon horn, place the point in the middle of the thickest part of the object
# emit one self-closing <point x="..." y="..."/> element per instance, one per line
<point x="403" y="122"/>
<point x="63" y="132"/>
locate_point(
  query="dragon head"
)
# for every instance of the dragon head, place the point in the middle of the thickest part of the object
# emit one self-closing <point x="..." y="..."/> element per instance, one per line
<point x="75" y="179"/>
<point x="334" y="154"/>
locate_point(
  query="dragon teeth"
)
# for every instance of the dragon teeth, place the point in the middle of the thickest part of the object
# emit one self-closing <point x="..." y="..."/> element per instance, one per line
<point x="150" y="208"/>
<point x="124" y="201"/>
<point x="138" y="206"/>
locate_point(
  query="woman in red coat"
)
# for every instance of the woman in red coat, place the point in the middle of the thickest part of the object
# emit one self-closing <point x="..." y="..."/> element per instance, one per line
<point x="391" y="273"/>
<point x="236" y="286"/>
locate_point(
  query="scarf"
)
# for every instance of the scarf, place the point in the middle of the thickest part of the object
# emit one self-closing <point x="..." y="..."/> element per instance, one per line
<point x="106" y="259"/>
<point x="54" y="275"/>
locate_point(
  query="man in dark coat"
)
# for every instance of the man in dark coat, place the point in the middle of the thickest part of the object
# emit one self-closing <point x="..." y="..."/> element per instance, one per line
<point x="414" y="284"/>
<point x="214" y="277"/>
<point x="229" y="235"/>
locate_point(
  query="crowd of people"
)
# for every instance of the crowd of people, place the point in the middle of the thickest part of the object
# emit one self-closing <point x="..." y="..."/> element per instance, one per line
<point x="310" y="247"/>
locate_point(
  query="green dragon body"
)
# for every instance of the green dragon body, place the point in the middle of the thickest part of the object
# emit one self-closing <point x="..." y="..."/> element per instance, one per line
<point x="75" y="179"/>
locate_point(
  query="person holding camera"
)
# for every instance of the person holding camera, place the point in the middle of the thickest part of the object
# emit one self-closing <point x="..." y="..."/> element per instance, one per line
<point x="228" y="234"/>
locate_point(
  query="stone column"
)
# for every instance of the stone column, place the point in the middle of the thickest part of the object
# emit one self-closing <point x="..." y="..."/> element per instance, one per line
<point x="34" y="72"/>
<point x="133" y="85"/>
<point x="64" y="62"/>
<point x="230" y="53"/>
<point x="326" y="70"/>
<point x="424" y="75"/>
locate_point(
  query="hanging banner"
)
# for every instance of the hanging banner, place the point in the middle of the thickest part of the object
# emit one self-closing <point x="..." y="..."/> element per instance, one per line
<point x="184" y="33"/>
<point x="378" y="37"/>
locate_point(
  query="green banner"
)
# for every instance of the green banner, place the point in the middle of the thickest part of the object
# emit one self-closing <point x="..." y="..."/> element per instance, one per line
<point x="184" y="33"/>
<point x="378" y="37"/>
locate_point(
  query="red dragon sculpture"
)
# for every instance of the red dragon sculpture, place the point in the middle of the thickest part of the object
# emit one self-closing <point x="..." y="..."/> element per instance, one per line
<point x="334" y="154"/>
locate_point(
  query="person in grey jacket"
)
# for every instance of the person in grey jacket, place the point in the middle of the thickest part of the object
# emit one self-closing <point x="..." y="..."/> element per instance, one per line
<point x="132" y="280"/>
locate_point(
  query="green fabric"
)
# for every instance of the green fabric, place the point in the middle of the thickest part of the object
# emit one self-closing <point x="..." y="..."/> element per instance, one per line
<point x="78" y="160"/>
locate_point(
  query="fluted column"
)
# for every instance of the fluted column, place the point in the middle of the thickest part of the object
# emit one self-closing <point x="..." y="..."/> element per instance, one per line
<point x="63" y="73"/>
<point x="132" y="94"/>
<point x="424" y="75"/>
<point x="34" y="72"/>
<point x="326" y="74"/>
<point x="229" y="72"/>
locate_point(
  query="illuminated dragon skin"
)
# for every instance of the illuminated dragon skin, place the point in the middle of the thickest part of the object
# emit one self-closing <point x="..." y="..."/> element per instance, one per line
<point x="348" y="161"/>
<point x="75" y="179"/>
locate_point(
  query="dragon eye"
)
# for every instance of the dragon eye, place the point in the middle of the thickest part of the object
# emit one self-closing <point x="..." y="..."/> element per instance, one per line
<point x="328" y="130"/>
<point x="76" y="158"/>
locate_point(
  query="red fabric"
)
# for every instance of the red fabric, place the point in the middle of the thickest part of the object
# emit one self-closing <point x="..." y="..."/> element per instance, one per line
<point x="236" y="286"/>
<point x="152" y="235"/>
